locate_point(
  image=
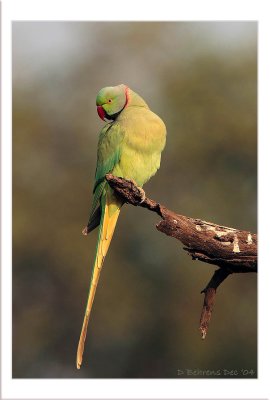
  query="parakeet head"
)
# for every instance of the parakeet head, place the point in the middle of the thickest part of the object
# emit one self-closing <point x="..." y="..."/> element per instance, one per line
<point x="111" y="101"/>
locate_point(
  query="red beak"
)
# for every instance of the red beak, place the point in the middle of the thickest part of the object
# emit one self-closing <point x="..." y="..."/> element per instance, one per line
<point x="101" y="112"/>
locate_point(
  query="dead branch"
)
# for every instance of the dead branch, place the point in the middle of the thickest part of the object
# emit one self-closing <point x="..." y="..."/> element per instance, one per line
<point x="209" y="297"/>
<point x="232" y="250"/>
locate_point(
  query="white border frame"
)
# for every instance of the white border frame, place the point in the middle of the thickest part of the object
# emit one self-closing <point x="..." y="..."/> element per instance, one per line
<point x="135" y="388"/>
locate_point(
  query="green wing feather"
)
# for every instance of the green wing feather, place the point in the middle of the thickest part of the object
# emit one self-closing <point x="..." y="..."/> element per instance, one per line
<point x="109" y="153"/>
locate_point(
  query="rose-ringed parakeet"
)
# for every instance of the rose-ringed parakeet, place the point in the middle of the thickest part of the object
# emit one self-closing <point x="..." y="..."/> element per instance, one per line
<point x="130" y="146"/>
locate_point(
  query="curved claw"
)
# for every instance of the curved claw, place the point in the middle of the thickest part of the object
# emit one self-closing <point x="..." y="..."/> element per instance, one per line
<point x="142" y="193"/>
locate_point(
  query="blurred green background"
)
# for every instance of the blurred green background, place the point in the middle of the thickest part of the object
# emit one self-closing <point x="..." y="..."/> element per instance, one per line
<point x="201" y="78"/>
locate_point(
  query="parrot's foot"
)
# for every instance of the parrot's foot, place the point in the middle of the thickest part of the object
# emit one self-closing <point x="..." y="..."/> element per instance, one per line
<point x="142" y="195"/>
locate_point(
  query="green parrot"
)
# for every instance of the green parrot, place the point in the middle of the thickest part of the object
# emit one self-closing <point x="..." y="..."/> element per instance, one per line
<point x="130" y="146"/>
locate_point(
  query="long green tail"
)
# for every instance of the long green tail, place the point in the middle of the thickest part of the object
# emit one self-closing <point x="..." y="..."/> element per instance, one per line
<point x="109" y="215"/>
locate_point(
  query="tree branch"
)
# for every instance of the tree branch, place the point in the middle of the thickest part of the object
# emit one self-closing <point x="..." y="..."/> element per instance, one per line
<point x="232" y="250"/>
<point x="209" y="297"/>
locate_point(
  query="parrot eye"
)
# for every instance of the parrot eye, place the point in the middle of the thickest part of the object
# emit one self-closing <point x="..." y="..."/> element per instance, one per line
<point x="110" y="100"/>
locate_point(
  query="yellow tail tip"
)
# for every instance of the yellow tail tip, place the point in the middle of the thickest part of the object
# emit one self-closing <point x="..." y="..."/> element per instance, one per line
<point x="78" y="363"/>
